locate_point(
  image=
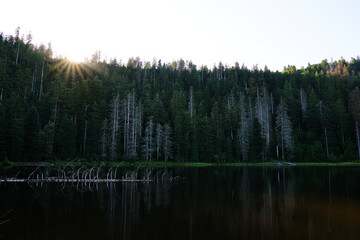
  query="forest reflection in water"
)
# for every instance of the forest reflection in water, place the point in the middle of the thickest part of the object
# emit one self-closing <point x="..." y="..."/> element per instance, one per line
<point x="210" y="203"/>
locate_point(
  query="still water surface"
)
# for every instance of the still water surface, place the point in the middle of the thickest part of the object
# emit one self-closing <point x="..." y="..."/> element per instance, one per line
<point x="209" y="203"/>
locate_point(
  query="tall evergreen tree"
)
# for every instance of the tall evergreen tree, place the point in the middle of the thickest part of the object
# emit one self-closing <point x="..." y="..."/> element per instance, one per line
<point x="66" y="138"/>
<point x="284" y="130"/>
<point x="354" y="107"/>
<point x="149" y="145"/>
<point x="256" y="143"/>
<point x="31" y="135"/>
<point x="2" y="132"/>
<point x="167" y="143"/>
<point x="15" y="128"/>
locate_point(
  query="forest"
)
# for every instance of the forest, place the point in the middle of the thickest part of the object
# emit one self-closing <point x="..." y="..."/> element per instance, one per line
<point x="54" y="109"/>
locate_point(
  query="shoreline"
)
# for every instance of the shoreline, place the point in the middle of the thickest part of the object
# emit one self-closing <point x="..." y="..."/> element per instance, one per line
<point x="79" y="163"/>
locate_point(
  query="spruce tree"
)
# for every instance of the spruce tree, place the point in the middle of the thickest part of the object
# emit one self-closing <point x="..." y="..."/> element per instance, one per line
<point x="2" y="132"/>
<point x="31" y="135"/>
<point x="66" y="138"/>
<point x="256" y="143"/>
<point x="284" y="130"/>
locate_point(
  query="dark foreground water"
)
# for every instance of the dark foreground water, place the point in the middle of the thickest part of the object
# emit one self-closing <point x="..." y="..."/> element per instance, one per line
<point x="211" y="203"/>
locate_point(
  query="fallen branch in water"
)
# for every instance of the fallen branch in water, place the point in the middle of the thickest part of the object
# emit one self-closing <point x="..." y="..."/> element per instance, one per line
<point x="7" y="220"/>
<point x="72" y="180"/>
<point x="92" y="175"/>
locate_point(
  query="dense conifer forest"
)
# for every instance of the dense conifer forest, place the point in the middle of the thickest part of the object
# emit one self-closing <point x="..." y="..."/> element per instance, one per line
<point x="54" y="109"/>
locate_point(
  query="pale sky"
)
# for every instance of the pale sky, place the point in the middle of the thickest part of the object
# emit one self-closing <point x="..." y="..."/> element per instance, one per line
<point x="264" y="32"/>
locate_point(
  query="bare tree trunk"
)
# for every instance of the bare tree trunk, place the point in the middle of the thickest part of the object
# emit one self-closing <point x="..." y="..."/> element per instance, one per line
<point x="303" y="101"/>
<point x="17" y="54"/>
<point x="128" y="124"/>
<point x="244" y="131"/>
<point x="125" y="128"/>
<point x="114" y="126"/>
<point x="191" y="103"/>
<point x="85" y="132"/>
<point x="267" y="117"/>
<point x="357" y="136"/>
<point x="133" y="138"/>
<point x="33" y="80"/>
<point x="282" y="144"/>
<point x="41" y="82"/>
<point x="272" y="104"/>
<point x="140" y="120"/>
<point x="55" y="108"/>
<point x="104" y="138"/>
<point x="326" y="143"/>
<point x="259" y="107"/>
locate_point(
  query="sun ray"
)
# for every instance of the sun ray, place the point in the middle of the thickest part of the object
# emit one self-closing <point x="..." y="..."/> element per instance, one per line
<point x="78" y="70"/>
<point x="73" y="70"/>
<point x="67" y="72"/>
<point x="63" y="66"/>
<point x="73" y="73"/>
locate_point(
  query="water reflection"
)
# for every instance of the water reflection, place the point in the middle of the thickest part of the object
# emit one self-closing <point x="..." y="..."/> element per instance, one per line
<point x="212" y="203"/>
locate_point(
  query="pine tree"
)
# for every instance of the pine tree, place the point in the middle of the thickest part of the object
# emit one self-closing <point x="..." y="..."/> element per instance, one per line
<point x="313" y="120"/>
<point x="167" y="143"/>
<point x="31" y="135"/>
<point x="245" y="127"/>
<point x="158" y="141"/>
<point x="194" y="148"/>
<point x="114" y="127"/>
<point x="149" y="146"/>
<point x="354" y="107"/>
<point x="256" y="143"/>
<point x="93" y="125"/>
<point x="2" y="132"/>
<point x="177" y="104"/>
<point x="66" y="138"/>
<point x="178" y="132"/>
<point x="14" y="128"/>
<point x="303" y="102"/>
<point x="191" y="103"/>
<point x="284" y="129"/>
<point x="47" y="136"/>
<point x="104" y="138"/>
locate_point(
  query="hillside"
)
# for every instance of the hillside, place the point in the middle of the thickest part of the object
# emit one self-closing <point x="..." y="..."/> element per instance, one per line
<point x="52" y="108"/>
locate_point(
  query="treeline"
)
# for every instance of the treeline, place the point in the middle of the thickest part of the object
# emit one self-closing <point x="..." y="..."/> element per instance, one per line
<point x="51" y="109"/>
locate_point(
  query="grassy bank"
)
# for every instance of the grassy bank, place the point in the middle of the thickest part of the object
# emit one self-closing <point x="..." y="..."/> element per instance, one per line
<point x="79" y="163"/>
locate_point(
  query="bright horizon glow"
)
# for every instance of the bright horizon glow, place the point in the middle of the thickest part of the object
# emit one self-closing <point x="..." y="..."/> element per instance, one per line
<point x="273" y="33"/>
<point x="74" y="57"/>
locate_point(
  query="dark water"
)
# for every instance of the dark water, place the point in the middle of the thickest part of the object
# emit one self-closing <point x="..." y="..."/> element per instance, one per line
<point x="211" y="203"/>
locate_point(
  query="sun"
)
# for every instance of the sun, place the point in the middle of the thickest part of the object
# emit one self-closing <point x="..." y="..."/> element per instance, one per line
<point x="72" y="69"/>
<point x="75" y="58"/>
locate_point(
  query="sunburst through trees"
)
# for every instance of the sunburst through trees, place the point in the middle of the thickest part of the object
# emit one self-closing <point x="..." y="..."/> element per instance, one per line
<point x="73" y="69"/>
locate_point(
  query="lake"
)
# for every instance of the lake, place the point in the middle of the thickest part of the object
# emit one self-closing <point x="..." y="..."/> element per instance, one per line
<point x="200" y="203"/>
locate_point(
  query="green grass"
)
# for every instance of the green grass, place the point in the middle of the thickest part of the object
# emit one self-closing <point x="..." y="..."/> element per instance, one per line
<point x="6" y="162"/>
<point x="259" y="164"/>
<point x="317" y="164"/>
